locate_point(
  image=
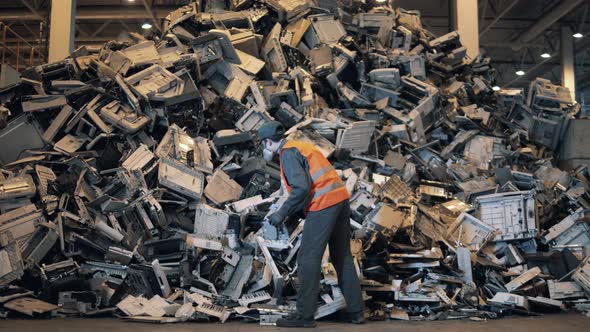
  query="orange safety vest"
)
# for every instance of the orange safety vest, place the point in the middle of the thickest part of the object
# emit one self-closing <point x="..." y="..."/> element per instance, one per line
<point x="327" y="189"/>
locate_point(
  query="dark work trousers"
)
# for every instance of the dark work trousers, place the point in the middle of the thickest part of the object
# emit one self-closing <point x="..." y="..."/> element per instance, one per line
<point x="327" y="226"/>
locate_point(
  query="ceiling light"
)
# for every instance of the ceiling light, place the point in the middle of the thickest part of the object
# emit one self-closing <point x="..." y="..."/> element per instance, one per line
<point x="520" y="73"/>
<point x="496" y="88"/>
<point x="380" y="0"/>
<point x="130" y="0"/>
<point x="146" y="26"/>
<point x="578" y="35"/>
<point x="545" y="55"/>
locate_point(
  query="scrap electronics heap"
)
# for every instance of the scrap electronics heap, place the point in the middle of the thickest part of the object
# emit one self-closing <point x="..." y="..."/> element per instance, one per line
<point x="131" y="182"/>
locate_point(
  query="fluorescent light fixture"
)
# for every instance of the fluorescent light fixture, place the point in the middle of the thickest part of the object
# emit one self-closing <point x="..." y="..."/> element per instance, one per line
<point x="520" y="73"/>
<point x="545" y="55"/>
<point x="496" y="88"/>
<point x="578" y="35"/>
<point x="380" y="1"/>
<point x="146" y="26"/>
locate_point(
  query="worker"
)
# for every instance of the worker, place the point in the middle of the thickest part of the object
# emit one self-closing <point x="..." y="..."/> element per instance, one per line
<point x="315" y="188"/>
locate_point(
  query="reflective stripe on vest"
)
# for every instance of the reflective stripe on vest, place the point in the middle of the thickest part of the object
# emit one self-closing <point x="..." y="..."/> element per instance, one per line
<point x="327" y="189"/>
<point x="321" y="172"/>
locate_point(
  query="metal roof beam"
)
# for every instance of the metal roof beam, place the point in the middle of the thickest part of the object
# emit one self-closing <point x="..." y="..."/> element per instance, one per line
<point x="94" y="13"/>
<point x="554" y="14"/>
<point x="148" y="9"/>
<point x="497" y="18"/>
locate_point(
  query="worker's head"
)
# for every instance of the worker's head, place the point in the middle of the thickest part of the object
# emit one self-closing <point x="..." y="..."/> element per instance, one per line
<point x="271" y="135"/>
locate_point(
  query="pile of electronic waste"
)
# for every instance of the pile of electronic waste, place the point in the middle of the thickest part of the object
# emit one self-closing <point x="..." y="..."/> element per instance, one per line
<point x="132" y="183"/>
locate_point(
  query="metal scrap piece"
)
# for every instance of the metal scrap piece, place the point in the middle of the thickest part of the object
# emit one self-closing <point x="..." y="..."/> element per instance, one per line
<point x="396" y="190"/>
<point x="17" y="187"/>
<point x="221" y="188"/>
<point x="513" y="213"/>
<point x="22" y="133"/>
<point x="564" y="290"/>
<point x="384" y="218"/>
<point x="38" y="103"/>
<point x="470" y="232"/>
<point x="180" y="178"/>
<point x="141" y="159"/>
<point x="356" y="137"/>
<point x="155" y="83"/>
<point x="31" y="307"/>
<point x="214" y="310"/>
<point x="255" y="297"/>
<point x="523" y="279"/>
<point x="582" y="275"/>
<point x="272" y="51"/>
<point x="511" y="300"/>
<point x="234" y="287"/>
<point x="11" y="265"/>
<point x="18" y="224"/>
<point x="210" y="222"/>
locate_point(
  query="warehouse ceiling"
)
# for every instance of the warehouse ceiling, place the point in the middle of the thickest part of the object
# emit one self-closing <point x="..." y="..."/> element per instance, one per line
<point x="514" y="33"/>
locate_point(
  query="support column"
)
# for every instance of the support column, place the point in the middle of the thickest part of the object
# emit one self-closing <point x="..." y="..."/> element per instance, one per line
<point x="568" y="73"/>
<point x="464" y="19"/>
<point x="61" y="32"/>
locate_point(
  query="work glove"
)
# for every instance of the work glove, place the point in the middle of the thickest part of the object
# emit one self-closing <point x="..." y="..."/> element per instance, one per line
<point x="276" y="219"/>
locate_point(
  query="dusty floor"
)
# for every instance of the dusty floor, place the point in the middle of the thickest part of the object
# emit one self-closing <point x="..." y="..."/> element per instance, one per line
<point x="559" y="322"/>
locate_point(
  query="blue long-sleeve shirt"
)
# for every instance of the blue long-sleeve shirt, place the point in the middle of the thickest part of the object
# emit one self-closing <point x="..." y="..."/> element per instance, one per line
<point x="296" y="170"/>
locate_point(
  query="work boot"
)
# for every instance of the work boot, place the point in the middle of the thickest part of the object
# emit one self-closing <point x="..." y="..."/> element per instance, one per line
<point x="295" y="320"/>
<point x="356" y="317"/>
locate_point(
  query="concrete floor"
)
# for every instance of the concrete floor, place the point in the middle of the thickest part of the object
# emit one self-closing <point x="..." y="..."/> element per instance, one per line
<point x="557" y="322"/>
